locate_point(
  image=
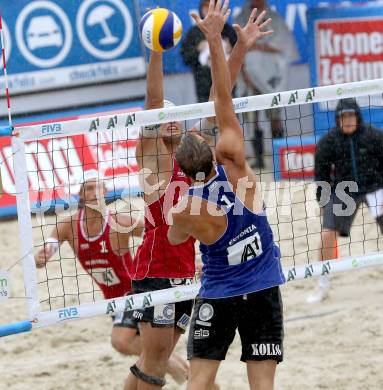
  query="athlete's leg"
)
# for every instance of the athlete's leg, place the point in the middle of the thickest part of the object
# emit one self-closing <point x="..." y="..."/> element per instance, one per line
<point x="157" y="344"/>
<point x="261" y="374"/>
<point x="261" y="331"/>
<point x="202" y="374"/>
<point x="125" y="335"/>
<point x="178" y="368"/>
<point x="126" y="341"/>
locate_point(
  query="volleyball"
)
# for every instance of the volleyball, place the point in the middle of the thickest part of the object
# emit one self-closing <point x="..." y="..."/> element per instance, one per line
<point x="160" y="29"/>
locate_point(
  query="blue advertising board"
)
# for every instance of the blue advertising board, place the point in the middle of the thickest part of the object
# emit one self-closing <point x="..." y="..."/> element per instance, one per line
<point x="58" y="43"/>
<point x="294" y="12"/>
<point x="346" y="45"/>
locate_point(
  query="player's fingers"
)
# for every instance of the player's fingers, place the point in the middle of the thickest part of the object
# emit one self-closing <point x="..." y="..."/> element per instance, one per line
<point x="260" y="17"/>
<point x="225" y="7"/>
<point x="211" y="6"/>
<point x="252" y="16"/>
<point x="196" y="17"/>
<point x="237" y="28"/>
<point x="267" y="33"/>
<point x="265" y="24"/>
<point x="218" y="5"/>
<point x="227" y="14"/>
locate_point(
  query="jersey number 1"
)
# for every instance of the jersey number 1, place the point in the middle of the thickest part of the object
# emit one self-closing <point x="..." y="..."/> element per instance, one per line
<point x="103" y="247"/>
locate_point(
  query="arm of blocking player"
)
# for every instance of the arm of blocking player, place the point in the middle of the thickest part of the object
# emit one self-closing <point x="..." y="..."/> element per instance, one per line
<point x="148" y="142"/>
<point x="58" y="235"/>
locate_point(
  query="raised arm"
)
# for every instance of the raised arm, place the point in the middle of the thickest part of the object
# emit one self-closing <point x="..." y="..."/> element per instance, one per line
<point x="149" y="144"/>
<point x="224" y="76"/>
<point x="231" y="144"/>
<point x="59" y="234"/>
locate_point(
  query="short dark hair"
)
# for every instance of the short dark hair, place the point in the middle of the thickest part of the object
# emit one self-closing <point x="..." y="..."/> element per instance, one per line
<point x="194" y="156"/>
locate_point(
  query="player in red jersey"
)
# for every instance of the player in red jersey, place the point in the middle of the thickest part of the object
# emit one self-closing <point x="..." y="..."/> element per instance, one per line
<point x="159" y="265"/>
<point x="101" y="242"/>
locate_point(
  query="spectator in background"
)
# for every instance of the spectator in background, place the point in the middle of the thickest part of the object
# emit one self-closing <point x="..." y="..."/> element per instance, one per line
<point x="266" y="70"/>
<point x="350" y="152"/>
<point x="195" y="53"/>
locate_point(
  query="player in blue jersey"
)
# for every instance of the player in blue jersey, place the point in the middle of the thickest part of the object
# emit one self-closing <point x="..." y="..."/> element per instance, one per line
<point x="241" y="263"/>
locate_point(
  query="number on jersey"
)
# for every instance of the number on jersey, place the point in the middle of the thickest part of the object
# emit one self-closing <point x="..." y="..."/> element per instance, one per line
<point x="103" y="249"/>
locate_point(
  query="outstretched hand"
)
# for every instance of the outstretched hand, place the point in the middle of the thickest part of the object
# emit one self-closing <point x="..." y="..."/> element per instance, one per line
<point x="214" y="22"/>
<point x="253" y="30"/>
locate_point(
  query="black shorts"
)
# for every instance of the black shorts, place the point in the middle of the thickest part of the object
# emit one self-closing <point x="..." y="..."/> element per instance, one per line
<point x="125" y="320"/>
<point x="341" y="221"/>
<point x="175" y="315"/>
<point x="257" y="316"/>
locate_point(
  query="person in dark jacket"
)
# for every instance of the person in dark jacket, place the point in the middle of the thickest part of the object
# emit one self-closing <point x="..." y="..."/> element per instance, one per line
<point x="348" y="172"/>
<point x="195" y="53"/>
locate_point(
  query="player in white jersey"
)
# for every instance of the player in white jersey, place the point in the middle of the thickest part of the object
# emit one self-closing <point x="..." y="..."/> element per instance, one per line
<point x="223" y="210"/>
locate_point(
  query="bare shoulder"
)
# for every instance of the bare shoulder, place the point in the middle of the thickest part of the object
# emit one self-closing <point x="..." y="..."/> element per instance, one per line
<point x="123" y="218"/>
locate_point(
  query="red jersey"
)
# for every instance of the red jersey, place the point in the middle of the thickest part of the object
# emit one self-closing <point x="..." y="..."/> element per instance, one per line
<point x="156" y="257"/>
<point x="108" y="270"/>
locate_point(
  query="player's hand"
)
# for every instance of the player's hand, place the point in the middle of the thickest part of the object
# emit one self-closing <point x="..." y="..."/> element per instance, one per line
<point x="43" y="255"/>
<point x="40" y="258"/>
<point x="212" y="25"/>
<point x="253" y="30"/>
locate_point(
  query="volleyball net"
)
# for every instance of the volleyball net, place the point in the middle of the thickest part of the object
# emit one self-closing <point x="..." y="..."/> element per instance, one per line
<point x="50" y="160"/>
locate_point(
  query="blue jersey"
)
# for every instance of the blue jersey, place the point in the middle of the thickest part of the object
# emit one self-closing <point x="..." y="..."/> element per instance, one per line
<point x="245" y="258"/>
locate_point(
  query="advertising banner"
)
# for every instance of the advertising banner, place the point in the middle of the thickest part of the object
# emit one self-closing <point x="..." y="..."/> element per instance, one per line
<point x="345" y="45"/>
<point x="55" y="166"/>
<point x="294" y="158"/>
<point x="293" y="11"/>
<point x="56" y="43"/>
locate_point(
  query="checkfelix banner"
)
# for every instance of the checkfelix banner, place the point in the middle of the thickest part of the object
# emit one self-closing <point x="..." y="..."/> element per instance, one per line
<point x="57" y="43"/>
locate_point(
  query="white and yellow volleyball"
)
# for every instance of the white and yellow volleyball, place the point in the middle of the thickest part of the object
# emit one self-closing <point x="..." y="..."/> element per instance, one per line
<point x="160" y="29"/>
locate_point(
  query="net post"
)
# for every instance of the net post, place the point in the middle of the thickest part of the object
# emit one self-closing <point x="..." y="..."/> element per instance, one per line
<point x="25" y="226"/>
<point x="15" y="328"/>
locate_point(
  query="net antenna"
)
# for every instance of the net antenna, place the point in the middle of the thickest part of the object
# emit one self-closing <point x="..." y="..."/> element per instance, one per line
<point x="127" y="122"/>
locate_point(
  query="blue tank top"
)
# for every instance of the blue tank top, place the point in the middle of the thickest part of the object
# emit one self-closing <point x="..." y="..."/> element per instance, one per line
<point x="245" y="258"/>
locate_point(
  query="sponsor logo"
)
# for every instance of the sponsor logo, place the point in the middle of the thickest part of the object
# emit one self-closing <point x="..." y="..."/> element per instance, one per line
<point x="138" y="315"/>
<point x="206" y="312"/>
<point x="266" y="349"/>
<point x="173" y="116"/>
<point x="177" y="294"/>
<point x="3" y="283"/>
<point x="203" y="323"/>
<point x="164" y="314"/>
<point x="68" y="314"/>
<point x="349" y="50"/>
<point x="51" y="128"/>
<point x="297" y="161"/>
<point x="85" y="246"/>
<point x="201" y="334"/>
<point x="243" y="233"/>
<point x="240" y="104"/>
<point x="183" y="322"/>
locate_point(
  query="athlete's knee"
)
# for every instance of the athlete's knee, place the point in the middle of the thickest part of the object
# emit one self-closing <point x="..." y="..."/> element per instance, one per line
<point x="200" y="380"/>
<point x="122" y="344"/>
